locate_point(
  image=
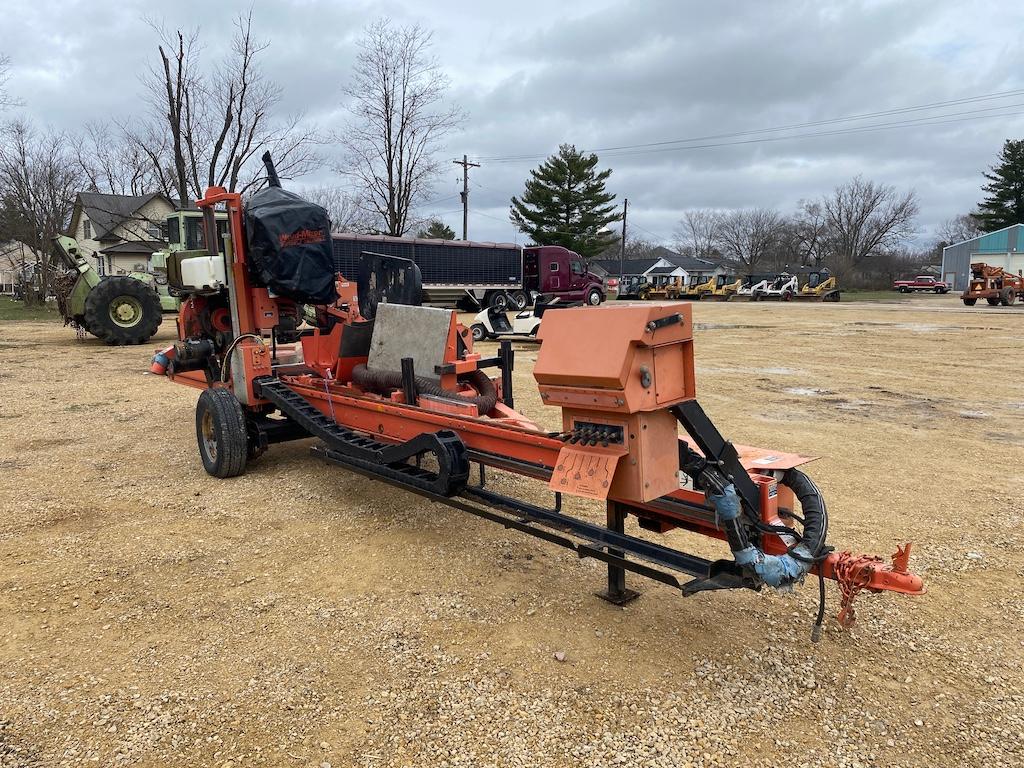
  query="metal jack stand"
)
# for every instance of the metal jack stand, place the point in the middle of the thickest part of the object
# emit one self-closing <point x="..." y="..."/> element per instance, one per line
<point x="616" y="593"/>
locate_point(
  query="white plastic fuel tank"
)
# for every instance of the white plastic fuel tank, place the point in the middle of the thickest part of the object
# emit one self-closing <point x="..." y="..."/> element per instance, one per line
<point x="204" y="272"/>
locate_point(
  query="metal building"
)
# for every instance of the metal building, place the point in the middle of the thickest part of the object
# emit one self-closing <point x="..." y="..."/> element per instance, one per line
<point x="1002" y="248"/>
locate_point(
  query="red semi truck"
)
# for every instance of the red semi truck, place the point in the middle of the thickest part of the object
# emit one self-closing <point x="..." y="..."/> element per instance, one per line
<point x="473" y="275"/>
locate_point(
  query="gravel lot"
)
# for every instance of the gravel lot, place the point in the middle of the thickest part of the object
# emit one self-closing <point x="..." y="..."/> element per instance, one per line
<point x="301" y="616"/>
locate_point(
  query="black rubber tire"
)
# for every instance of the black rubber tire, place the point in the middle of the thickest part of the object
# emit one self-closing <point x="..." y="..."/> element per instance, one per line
<point x="497" y="300"/>
<point x="993" y="302"/>
<point x="99" y="307"/>
<point x="518" y="300"/>
<point x="479" y="332"/>
<point x="221" y="433"/>
<point x="1007" y="297"/>
<point x="904" y="289"/>
<point x="970" y="302"/>
<point x="787" y="296"/>
<point x="593" y="297"/>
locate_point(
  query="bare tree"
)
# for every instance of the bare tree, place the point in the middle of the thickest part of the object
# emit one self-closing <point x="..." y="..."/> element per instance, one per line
<point x="808" y="229"/>
<point x="866" y="219"/>
<point x="38" y="183"/>
<point x="697" y="232"/>
<point x="6" y="100"/>
<point x="346" y="212"/>
<point x="399" y="118"/>
<point x="111" y="162"/>
<point x="958" y="229"/>
<point x="214" y="127"/>
<point x="748" y="236"/>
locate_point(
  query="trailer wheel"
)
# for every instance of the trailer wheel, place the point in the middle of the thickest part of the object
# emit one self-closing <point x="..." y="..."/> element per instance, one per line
<point x="497" y="300"/>
<point x="221" y="433"/>
<point x="122" y="310"/>
<point x="970" y="302"/>
<point x="519" y="300"/>
<point x="593" y="297"/>
<point x="479" y="332"/>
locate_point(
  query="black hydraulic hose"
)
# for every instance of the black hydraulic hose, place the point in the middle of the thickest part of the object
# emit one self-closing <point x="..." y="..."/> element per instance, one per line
<point x="814" y="512"/>
<point x="379" y="381"/>
<point x="815" y="532"/>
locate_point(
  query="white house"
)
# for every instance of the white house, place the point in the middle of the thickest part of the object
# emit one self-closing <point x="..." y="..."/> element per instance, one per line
<point x="120" y="232"/>
<point x="14" y="256"/>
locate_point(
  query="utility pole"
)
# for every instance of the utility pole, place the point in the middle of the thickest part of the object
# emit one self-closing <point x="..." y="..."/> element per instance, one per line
<point x="622" y="245"/>
<point x="466" y="165"/>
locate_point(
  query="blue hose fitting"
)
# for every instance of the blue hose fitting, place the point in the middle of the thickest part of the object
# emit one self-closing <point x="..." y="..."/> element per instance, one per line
<point x="778" y="571"/>
<point x="727" y="505"/>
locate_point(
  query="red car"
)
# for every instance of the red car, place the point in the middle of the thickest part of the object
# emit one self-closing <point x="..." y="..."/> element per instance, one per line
<point x="921" y="283"/>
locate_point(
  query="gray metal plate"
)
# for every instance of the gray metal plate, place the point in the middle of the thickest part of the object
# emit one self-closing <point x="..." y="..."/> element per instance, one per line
<point x="403" y="331"/>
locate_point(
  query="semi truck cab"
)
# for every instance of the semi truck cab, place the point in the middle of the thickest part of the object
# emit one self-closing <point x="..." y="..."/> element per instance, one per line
<point x="556" y="271"/>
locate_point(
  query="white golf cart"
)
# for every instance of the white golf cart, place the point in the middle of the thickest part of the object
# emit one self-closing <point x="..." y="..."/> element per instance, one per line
<point x="493" y="321"/>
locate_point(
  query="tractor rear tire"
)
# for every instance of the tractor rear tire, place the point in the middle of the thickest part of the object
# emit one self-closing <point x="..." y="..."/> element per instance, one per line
<point x="221" y="432"/>
<point x="122" y="310"/>
<point x="1007" y="297"/>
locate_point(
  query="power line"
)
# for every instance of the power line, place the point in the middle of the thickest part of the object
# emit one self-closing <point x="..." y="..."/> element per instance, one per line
<point x="652" y="234"/>
<point x="839" y="132"/>
<point x="441" y="199"/>
<point x="863" y="116"/>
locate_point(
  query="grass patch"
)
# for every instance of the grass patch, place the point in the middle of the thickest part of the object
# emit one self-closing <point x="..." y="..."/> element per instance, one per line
<point x="12" y="310"/>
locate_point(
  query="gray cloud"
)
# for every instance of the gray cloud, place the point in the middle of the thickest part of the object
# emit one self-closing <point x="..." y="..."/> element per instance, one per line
<point x="535" y="74"/>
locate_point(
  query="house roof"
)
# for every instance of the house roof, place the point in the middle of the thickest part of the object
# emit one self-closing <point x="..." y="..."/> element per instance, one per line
<point x="689" y="263"/>
<point x="664" y="270"/>
<point x="106" y="212"/>
<point x="629" y="266"/>
<point x="134" y="246"/>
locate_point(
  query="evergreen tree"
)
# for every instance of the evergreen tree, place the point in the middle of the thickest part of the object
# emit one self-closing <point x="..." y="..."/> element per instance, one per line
<point x="437" y="230"/>
<point x="565" y="203"/>
<point x="1005" y="202"/>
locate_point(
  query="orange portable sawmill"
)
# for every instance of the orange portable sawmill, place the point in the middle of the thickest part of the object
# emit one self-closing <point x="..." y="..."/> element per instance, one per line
<point x="286" y="347"/>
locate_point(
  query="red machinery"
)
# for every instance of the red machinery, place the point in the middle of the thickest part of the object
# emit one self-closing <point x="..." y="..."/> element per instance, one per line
<point x="384" y="383"/>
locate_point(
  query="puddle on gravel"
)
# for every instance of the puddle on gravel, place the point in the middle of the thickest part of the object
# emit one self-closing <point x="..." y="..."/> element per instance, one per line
<point x="855" y="405"/>
<point x="731" y="326"/>
<point x="807" y="391"/>
<point x="774" y="371"/>
<point x="972" y="414"/>
<point x="1005" y="437"/>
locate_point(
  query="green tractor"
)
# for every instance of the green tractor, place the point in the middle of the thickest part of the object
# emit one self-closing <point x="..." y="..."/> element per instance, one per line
<point x="126" y="309"/>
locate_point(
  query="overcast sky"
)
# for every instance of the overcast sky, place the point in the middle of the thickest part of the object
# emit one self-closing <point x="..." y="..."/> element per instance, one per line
<point x="609" y="74"/>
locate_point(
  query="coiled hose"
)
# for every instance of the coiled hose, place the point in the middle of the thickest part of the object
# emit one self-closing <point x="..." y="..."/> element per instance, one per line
<point x="381" y="382"/>
<point x="782" y="571"/>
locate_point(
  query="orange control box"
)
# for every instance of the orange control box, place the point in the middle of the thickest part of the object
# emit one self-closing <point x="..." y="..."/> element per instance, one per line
<point x="615" y="371"/>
